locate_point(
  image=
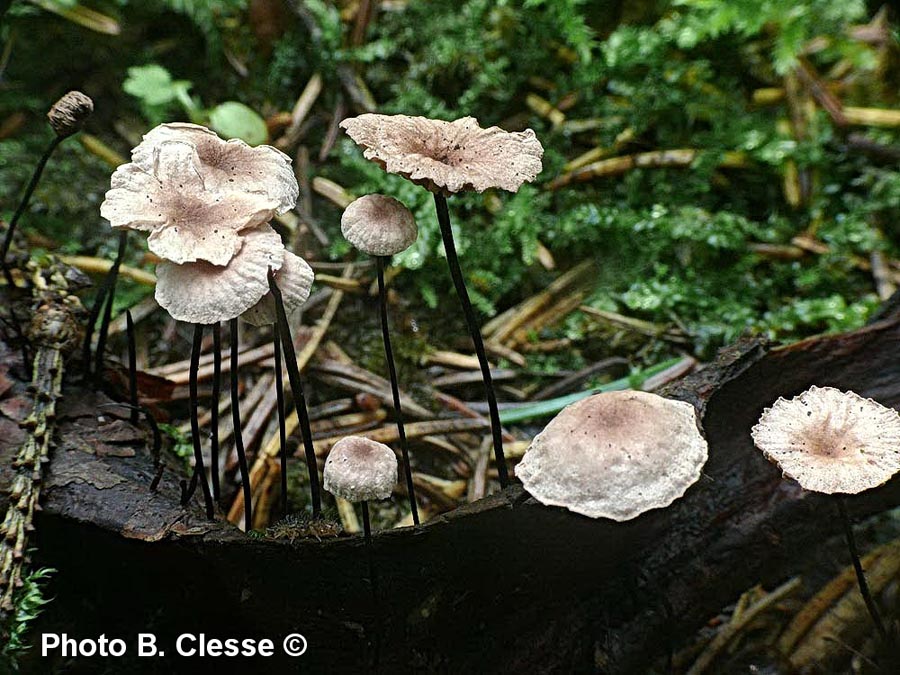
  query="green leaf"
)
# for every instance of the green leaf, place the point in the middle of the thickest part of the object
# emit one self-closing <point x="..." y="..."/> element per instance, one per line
<point x="153" y="85"/>
<point x="235" y="120"/>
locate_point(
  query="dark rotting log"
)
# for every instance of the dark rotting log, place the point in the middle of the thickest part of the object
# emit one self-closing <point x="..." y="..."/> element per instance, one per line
<point x="500" y="585"/>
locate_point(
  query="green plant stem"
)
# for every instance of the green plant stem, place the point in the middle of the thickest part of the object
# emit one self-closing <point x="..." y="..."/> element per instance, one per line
<point x="459" y="283"/>
<point x="860" y="573"/>
<point x="238" y="438"/>
<point x="199" y="470"/>
<point x="290" y="362"/>
<point x="395" y="389"/>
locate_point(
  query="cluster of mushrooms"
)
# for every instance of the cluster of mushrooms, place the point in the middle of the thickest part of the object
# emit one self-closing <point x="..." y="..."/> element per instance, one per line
<point x="206" y="205"/>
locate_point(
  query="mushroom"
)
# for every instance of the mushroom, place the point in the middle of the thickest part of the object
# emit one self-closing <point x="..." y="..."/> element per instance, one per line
<point x="66" y="117"/>
<point x="359" y="469"/>
<point x="445" y="158"/>
<point x="615" y="455"/>
<point x="835" y="443"/>
<point x="382" y="226"/>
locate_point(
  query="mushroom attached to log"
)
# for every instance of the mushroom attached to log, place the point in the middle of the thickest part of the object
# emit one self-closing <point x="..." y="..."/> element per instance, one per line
<point x="615" y="455"/>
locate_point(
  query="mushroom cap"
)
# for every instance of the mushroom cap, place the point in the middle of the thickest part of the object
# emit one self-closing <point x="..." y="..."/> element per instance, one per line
<point x="295" y="279"/>
<point x="448" y="157"/>
<point x="379" y="225"/>
<point x="831" y="441"/>
<point x="615" y="455"/>
<point x="68" y="114"/>
<point x="199" y="292"/>
<point x="359" y="469"/>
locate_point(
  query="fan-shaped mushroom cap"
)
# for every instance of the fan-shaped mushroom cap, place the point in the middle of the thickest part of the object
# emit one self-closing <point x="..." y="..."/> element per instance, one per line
<point x="379" y="225"/>
<point x="199" y="292"/>
<point x="68" y="114"/>
<point x="831" y="441"/>
<point x="295" y="279"/>
<point x="448" y="156"/>
<point x="359" y="469"/>
<point x="615" y="455"/>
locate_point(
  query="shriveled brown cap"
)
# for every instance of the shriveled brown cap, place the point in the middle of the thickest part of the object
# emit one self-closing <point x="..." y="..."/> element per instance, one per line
<point x="68" y="114"/>
<point x="615" y="455"/>
<point x="379" y="225"/>
<point x="200" y="292"/>
<point x="359" y="469"/>
<point x="295" y="279"/>
<point x="831" y="441"/>
<point x="448" y="157"/>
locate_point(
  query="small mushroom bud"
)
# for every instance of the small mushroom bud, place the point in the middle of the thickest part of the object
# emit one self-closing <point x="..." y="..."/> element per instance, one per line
<point x="359" y="469"/>
<point x="68" y="114"/>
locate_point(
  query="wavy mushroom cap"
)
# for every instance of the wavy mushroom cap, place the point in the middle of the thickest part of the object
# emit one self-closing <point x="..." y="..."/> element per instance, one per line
<point x="831" y="441"/>
<point x="199" y="292"/>
<point x="196" y="194"/>
<point x="448" y="157"/>
<point x="295" y="279"/>
<point x="68" y="114"/>
<point x="615" y="455"/>
<point x="359" y="469"/>
<point x="379" y="225"/>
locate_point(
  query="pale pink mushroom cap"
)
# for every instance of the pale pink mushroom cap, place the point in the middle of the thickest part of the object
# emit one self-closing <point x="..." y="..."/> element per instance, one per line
<point x="359" y="469"/>
<point x="615" y="455"/>
<point x="379" y="225"/>
<point x="448" y="157"/>
<point x="831" y="441"/>
<point x="196" y="194"/>
<point x="200" y="292"/>
<point x="294" y="279"/>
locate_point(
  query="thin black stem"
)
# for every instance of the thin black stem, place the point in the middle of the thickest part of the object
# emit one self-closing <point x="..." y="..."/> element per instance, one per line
<point x="395" y="389"/>
<point x="32" y="184"/>
<point x="238" y="440"/>
<point x="110" y="298"/>
<point x="214" y="409"/>
<point x="857" y="566"/>
<point x="459" y="283"/>
<point x="282" y="431"/>
<point x="199" y="470"/>
<point x="373" y="578"/>
<point x="132" y="367"/>
<point x="290" y="361"/>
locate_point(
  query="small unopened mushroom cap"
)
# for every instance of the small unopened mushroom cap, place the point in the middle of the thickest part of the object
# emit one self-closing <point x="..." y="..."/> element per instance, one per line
<point x="68" y="114"/>
<point x="359" y="469"/>
<point x="615" y="455"/>
<point x="379" y="225"/>
<point x="831" y="441"/>
<point x="200" y="292"/>
<point x="448" y="157"/>
<point x="295" y="279"/>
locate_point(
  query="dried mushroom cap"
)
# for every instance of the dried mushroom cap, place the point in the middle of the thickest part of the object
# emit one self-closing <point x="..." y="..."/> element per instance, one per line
<point x="448" y="157"/>
<point x="295" y="279"/>
<point x="187" y="221"/>
<point x="359" y="469"/>
<point x="68" y="114"/>
<point x="379" y="225"/>
<point x="831" y="441"/>
<point x="228" y="165"/>
<point x="199" y="292"/>
<point x="615" y="455"/>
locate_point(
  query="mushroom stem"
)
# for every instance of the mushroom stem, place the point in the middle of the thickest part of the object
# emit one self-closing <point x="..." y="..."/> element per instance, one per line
<point x="395" y="388"/>
<point x="373" y="578"/>
<point x="32" y="184"/>
<point x="279" y="404"/>
<point x="290" y="361"/>
<point x="132" y="367"/>
<point x="459" y="283"/>
<point x="199" y="470"/>
<point x="857" y="566"/>
<point x="110" y="294"/>
<point x="214" y="410"/>
<point x="238" y="439"/>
